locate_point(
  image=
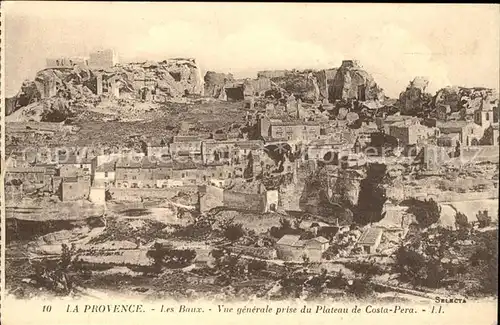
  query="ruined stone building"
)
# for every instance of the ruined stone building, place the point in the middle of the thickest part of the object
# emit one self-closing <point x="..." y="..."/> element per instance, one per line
<point x="103" y="59"/>
<point x="67" y="62"/>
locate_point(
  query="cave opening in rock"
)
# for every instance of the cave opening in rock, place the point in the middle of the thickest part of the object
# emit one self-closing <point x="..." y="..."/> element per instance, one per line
<point x="176" y="76"/>
<point x="235" y="93"/>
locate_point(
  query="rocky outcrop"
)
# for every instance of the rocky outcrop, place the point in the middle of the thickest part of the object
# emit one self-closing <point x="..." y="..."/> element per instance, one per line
<point x="302" y="85"/>
<point x="147" y="81"/>
<point x="465" y="100"/>
<point x="415" y="100"/>
<point x="352" y="82"/>
<point x="215" y="82"/>
<point x="177" y="77"/>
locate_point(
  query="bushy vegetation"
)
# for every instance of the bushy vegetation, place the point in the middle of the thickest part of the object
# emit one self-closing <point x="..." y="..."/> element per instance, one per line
<point x="427" y="212"/>
<point x="372" y="195"/>
<point x="165" y="255"/>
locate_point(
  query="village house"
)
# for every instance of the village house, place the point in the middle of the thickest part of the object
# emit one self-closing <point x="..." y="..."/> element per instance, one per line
<point x="187" y="172"/>
<point x="370" y="240"/>
<point x="158" y="148"/>
<point x="491" y="136"/>
<point x="75" y="188"/>
<point x="384" y="123"/>
<point x="326" y="150"/>
<point x="292" y="248"/>
<point x="185" y="146"/>
<point x="134" y="172"/>
<point x="25" y="175"/>
<point x="448" y="140"/>
<point x="411" y="132"/>
<point x="219" y="174"/>
<point x="294" y="130"/>
<point x="211" y="197"/>
<point x="365" y="132"/>
<point x="104" y="175"/>
<point x="486" y="115"/>
<point x="232" y="151"/>
<point x="470" y="132"/>
<point x="71" y="165"/>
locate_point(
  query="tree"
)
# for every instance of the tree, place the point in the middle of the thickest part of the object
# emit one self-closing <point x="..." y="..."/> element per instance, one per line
<point x="255" y="266"/>
<point x="483" y="218"/>
<point x="372" y="195"/>
<point x="306" y="261"/>
<point x="157" y="254"/>
<point x="164" y="254"/>
<point x="410" y="264"/>
<point x="248" y="172"/>
<point x="461" y="221"/>
<point x="426" y="212"/>
<point x="232" y="231"/>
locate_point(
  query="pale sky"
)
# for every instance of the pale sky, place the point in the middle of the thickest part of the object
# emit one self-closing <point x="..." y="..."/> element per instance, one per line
<point x="451" y="44"/>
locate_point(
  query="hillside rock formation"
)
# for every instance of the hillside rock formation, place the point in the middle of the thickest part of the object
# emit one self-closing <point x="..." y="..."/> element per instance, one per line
<point x="147" y="81"/>
<point x="415" y="100"/>
<point x="351" y="81"/>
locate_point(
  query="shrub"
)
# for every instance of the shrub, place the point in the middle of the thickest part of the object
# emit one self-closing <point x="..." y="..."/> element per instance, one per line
<point x="483" y="218"/>
<point x="164" y="254"/>
<point x="426" y="212"/>
<point x="461" y="221"/>
<point x="255" y="266"/>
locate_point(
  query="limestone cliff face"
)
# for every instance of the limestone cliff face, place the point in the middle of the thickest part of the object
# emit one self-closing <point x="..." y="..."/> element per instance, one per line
<point x="352" y="82"/>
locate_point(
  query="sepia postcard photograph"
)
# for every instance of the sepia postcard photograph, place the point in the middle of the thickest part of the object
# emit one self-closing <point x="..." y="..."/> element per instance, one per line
<point x="214" y="163"/>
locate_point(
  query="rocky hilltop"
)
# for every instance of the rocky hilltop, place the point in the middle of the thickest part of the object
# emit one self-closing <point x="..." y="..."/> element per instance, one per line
<point x="83" y="86"/>
<point x="347" y="82"/>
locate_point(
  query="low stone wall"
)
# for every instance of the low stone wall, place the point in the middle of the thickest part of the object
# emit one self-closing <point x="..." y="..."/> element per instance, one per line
<point x="260" y="252"/>
<point x="131" y="194"/>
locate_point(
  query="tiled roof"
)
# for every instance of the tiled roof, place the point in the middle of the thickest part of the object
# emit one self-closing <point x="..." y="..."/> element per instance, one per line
<point x="107" y="167"/>
<point x="25" y="170"/>
<point x="290" y="240"/>
<point x="70" y="179"/>
<point x="320" y="239"/>
<point x="72" y="159"/>
<point x="185" y="138"/>
<point x="369" y="237"/>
